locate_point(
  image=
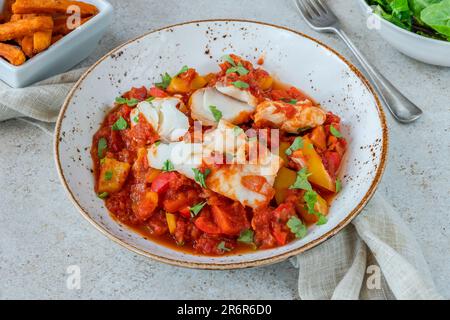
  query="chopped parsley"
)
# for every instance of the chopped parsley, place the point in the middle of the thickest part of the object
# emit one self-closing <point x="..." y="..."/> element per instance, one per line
<point x="103" y="195"/>
<point x="217" y="114"/>
<point x="195" y="210"/>
<point x="240" y="84"/>
<point x="157" y="143"/>
<point x="338" y="185"/>
<point x="183" y="70"/>
<point x="246" y="236"/>
<point x="290" y="101"/>
<point x="200" y="177"/>
<point x="229" y="59"/>
<point x="240" y="69"/>
<point x="297" y="227"/>
<point x="128" y="102"/>
<point x="136" y="119"/>
<point x="310" y="198"/>
<point x="335" y="132"/>
<point x="101" y="147"/>
<point x="108" y="175"/>
<point x="221" y="246"/>
<point x="302" y="181"/>
<point x="120" y="124"/>
<point x="297" y="144"/>
<point x="150" y="99"/>
<point x="165" y="81"/>
<point x="168" y="166"/>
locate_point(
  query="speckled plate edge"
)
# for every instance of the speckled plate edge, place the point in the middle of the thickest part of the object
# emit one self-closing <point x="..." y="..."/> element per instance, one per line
<point x="245" y="264"/>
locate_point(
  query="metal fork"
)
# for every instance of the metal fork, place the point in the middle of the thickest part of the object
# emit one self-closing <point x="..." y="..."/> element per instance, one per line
<point x="320" y="17"/>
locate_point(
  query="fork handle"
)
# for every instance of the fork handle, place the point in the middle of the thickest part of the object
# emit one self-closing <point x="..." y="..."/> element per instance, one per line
<point x="400" y="106"/>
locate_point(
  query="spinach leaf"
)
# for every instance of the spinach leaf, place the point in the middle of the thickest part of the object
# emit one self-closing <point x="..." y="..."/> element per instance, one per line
<point x="437" y="16"/>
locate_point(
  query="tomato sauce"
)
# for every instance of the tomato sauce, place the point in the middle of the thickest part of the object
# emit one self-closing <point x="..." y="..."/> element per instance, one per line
<point x="168" y="208"/>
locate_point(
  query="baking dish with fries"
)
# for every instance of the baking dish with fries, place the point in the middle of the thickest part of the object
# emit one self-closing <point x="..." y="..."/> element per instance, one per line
<point x="41" y="38"/>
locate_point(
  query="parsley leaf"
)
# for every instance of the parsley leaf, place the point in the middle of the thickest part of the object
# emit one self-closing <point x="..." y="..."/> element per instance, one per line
<point x="310" y="198"/>
<point x="101" y="147"/>
<point x="338" y="185"/>
<point x="290" y="101"/>
<point x="246" y="236"/>
<point x="195" y="210"/>
<point x="217" y="114"/>
<point x="302" y="181"/>
<point x="335" y="132"/>
<point x="120" y="124"/>
<point x="240" y="84"/>
<point x="297" y="227"/>
<point x="136" y="119"/>
<point x="103" y="195"/>
<point x="165" y="81"/>
<point x="157" y="143"/>
<point x="150" y="99"/>
<point x="183" y="70"/>
<point x="297" y="144"/>
<point x="108" y="175"/>
<point x="222" y="247"/>
<point x="200" y="176"/>
<point x="229" y="59"/>
<point x="128" y="102"/>
<point x="168" y="166"/>
<point x="240" y="69"/>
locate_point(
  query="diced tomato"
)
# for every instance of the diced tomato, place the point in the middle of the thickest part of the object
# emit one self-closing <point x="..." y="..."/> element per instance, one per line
<point x="157" y="92"/>
<point x="280" y="236"/>
<point x="185" y="212"/>
<point x="162" y="181"/>
<point x="206" y="223"/>
<point x="231" y="219"/>
<point x="176" y="201"/>
<point x="331" y="161"/>
<point x="137" y="93"/>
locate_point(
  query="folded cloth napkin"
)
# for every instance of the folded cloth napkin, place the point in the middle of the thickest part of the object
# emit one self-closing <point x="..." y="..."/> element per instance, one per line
<point x="41" y="101"/>
<point x="374" y="258"/>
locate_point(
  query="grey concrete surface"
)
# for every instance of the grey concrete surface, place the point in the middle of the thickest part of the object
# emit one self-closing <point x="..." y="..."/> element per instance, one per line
<point x="41" y="233"/>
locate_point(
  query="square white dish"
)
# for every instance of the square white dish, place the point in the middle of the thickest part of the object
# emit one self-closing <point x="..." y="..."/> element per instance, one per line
<point x="64" y="54"/>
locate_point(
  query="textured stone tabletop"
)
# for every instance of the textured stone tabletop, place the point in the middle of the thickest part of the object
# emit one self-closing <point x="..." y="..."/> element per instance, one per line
<point x="41" y="233"/>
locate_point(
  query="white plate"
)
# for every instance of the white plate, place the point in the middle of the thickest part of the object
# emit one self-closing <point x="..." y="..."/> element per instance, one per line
<point x="293" y="57"/>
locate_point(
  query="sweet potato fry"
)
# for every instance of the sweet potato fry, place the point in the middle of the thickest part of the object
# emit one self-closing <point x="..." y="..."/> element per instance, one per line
<point x="12" y="53"/>
<point x="17" y="17"/>
<point x="41" y="41"/>
<point x="25" y="27"/>
<point x="52" y="7"/>
<point x="27" y="46"/>
<point x="6" y="11"/>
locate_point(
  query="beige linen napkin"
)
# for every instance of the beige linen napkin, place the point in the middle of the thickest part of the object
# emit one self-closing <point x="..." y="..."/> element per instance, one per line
<point x="374" y="258"/>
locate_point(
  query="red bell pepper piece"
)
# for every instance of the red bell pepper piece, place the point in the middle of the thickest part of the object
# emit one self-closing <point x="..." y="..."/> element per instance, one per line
<point x="162" y="182"/>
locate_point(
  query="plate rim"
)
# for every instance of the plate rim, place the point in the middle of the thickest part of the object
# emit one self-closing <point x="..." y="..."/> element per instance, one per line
<point x="232" y="265"/>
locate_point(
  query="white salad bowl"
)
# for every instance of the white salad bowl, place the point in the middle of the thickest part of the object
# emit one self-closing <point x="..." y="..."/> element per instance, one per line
<point x="291" y="56"/>
<point x="64" y="54"/>
<point x="431" y="51"/>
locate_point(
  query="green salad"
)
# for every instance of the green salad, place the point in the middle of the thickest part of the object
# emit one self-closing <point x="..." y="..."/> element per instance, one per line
<point x="429" y="18"/>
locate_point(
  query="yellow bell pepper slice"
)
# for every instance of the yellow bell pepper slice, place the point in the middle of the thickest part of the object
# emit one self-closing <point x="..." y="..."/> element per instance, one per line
<point x="171" y="222"/>
<point x="319" y="175"/>
<point x="285" y="178"/>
